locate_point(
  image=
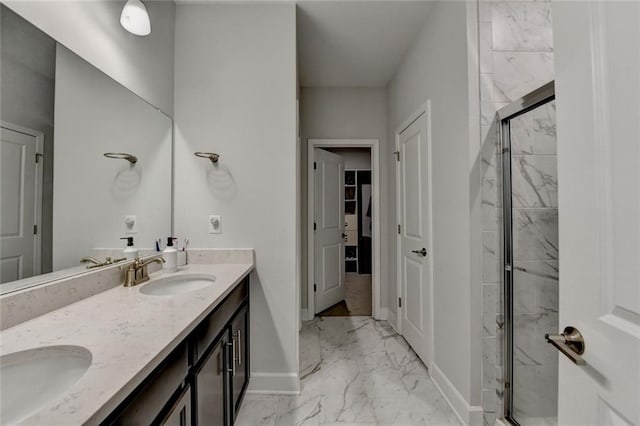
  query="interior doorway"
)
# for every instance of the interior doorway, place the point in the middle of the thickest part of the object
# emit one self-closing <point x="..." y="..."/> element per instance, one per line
<point x="414" y="238"/>
<point x="344" y="251"/>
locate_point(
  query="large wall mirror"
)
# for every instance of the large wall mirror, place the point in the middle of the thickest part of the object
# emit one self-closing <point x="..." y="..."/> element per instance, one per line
<point x="61" y="199"/>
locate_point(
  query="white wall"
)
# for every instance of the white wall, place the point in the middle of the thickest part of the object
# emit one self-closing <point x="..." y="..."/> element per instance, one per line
<point x="436" y="68"/>
<point x="235" y="93"/>
<point x="345" y="113"/>
<point x="92" y="30"/>
<point x="94" y="115"/>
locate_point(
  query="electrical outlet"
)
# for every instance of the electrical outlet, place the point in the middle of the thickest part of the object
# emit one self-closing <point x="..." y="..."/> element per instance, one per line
<point x="215" y="224"/>
<point x="130" y="224"/>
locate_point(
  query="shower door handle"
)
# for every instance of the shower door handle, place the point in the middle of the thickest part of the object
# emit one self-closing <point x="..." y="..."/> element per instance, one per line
<point x="570" y="343"/>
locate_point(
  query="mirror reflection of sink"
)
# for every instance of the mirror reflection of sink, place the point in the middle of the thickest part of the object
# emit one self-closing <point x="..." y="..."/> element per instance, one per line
<point x="177" y="284"/>
<point x="30" y="379"/>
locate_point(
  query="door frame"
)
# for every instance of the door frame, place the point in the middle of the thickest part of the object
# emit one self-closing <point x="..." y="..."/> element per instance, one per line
<point x="37" y="238"/>
<point x="374" y="145"/>
<point x="424" y="109"/>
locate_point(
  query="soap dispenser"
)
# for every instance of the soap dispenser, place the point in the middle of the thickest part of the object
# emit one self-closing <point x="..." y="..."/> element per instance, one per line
<point x="170" y="255"/>
<point x="130" y="252"/>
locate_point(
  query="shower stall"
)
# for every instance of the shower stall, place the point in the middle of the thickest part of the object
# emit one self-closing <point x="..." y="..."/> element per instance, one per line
<point x="530" y="257"/>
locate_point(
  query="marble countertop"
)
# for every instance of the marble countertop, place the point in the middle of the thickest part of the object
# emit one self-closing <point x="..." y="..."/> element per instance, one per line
<point x="128" y="334"/>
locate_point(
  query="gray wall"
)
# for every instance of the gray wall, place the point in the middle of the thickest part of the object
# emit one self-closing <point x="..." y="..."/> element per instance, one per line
<point x="235" y="92"/>
<point x="346" y="113"/>
<point x="92" y="30"/>
<point x="436" y="68"/>
<point x="27" y="99"/>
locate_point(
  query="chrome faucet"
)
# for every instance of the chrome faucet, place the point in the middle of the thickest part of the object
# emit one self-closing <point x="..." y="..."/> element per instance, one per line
<point x="95" y="263"/>
<point x="136" y="272"/>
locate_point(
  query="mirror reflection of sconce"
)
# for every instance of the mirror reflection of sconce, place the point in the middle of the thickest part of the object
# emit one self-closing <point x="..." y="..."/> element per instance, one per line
<point x="208" y="155"/>
<point x="122" y="156"/>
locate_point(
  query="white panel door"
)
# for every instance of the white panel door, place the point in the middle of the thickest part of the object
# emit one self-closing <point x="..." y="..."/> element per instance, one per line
<point x="18" y="204"/>
<point x="415" y="260"/>
<point x="597" y="51"/>
<point x="329" y="229"/>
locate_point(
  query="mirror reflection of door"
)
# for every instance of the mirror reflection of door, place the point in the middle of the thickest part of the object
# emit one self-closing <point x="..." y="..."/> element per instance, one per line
<point x="20" y="191"/>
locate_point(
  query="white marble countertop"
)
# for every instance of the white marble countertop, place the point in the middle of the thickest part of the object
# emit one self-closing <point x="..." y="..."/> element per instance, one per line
<point x="128" y="334"/>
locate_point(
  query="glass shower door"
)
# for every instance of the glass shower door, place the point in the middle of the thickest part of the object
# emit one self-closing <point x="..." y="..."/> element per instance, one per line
<point x="531" y="264"/>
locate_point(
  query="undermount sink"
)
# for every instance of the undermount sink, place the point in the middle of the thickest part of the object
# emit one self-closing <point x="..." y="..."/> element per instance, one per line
<point x="30" y="379"/>
<point x="177" y="284"/>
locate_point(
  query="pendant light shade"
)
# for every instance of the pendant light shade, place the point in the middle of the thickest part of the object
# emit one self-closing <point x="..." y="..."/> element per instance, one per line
<point x="135" y="19"/>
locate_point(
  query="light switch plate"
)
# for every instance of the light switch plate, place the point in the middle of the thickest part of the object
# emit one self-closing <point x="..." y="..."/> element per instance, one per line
<point x="130" y="224"/>
<point x="215" y="224"/>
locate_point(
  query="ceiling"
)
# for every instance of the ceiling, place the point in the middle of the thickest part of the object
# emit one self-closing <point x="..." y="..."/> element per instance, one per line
<point x="355" y="43"/>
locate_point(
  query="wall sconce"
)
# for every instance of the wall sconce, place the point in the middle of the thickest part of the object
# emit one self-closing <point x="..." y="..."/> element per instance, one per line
<point x="135" y="19"/>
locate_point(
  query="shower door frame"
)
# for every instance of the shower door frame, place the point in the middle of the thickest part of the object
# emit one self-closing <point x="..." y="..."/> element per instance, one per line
<point x="528" y="102"/>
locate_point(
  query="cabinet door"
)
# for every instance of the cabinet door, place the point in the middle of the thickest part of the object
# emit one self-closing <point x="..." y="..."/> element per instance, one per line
<point x="240" y="356"/>
<point x="211" y="387"/>
<point x="180" y="414"/>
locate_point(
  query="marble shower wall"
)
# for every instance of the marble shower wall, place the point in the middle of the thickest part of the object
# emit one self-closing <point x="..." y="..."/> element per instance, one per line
<point x="534" y="191"/>
<point x="516" y="56"/>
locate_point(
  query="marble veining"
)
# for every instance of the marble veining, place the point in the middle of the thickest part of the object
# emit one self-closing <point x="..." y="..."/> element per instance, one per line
<point x="522" y="26"/>
<point x="535" y="234"/>
<point x="536" y="266"/>
<point x="518" y="73"/>
<point x="354" y="370"/>
<point x="127" y="333"/>
<point x="534" y="181"/>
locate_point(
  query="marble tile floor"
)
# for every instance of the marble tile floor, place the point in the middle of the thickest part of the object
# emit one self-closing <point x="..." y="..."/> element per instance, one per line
<point x="355" y="371"/>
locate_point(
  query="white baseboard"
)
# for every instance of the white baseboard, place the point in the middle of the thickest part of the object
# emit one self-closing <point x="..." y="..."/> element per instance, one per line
<point x="392" y="317"/>
<point x="274" y="384"/>
<point x="303" y="314"/>
<point x="383" y="314"/>
<point x="468" y="414"/>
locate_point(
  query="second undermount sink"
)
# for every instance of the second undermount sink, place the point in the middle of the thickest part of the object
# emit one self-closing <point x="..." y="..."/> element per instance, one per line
<point x="31" y="379"/>
<point x="177" y="284"/>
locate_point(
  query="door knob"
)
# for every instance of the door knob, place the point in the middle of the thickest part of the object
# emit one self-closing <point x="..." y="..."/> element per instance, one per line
<point x="570" y="342"/>
<point x="422" y="252"/>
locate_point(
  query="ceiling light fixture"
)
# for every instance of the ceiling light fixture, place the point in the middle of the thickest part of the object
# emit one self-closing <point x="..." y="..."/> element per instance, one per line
<point x="135" y="19"/>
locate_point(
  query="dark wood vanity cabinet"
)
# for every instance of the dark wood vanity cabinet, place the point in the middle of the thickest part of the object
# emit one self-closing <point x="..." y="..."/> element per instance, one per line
<point x="240" y="357"/>
<point x="211" y="382"/>
<point x="203" y="381"/>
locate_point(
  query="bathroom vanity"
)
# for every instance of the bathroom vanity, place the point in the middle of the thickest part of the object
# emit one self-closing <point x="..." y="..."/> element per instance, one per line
<point x="174" y="350"/>
<point x="203" y="380"/>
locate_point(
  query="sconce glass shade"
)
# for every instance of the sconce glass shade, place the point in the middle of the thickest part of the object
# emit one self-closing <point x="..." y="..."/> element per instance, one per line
<point x="135" y="19"/>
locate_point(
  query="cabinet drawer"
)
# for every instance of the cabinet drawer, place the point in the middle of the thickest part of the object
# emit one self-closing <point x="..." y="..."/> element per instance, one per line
<point x="212" y="326"/>
<point x="157" y="391"/>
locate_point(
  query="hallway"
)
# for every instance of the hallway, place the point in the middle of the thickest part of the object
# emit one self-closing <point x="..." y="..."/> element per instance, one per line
<point x="354" y="370"/>
<point x="357" y="301"/>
